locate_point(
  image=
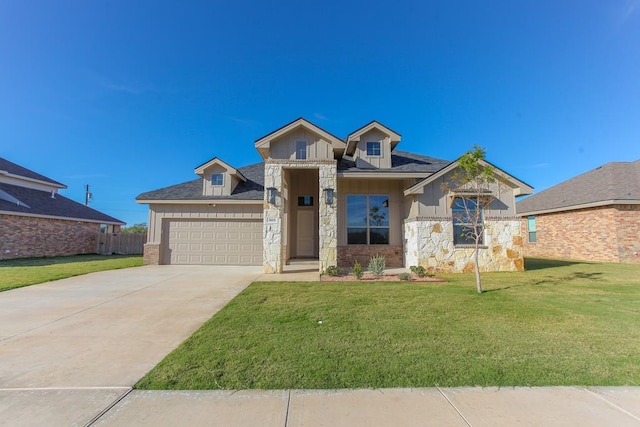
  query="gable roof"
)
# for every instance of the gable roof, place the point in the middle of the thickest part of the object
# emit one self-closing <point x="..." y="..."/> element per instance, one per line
<point x="262" y="144"/>
<point x="216" y="161"/>
<point x="32" y="202"/>
<point x="11" y="169"/>
<point x="612" y="183"/>
<point x="354" y="137"/>
<point x="251" y="190"/>
<point x="522" y="188"/>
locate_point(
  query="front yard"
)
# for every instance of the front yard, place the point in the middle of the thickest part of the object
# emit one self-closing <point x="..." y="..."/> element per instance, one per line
<point x="17" y="273"/>
<point x="559" y="323"/>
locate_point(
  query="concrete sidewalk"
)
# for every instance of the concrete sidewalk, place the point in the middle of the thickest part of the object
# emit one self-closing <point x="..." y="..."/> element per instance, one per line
<point x="538" y="406"/>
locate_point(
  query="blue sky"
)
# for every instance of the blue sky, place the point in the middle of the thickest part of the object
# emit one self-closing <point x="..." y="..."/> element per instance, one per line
<point x="131" y="96"/>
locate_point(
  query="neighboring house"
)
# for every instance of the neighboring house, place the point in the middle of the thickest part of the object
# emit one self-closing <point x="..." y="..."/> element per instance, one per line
<point x="36" y="221"/>
<point x="318" y="196"/>
<point x="594" y="216"/>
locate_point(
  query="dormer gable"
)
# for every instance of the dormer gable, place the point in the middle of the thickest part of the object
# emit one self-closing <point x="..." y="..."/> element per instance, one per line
<point x="218" y="177"/>
<point x="300" y="140"/>
<point x="371" y="145"/>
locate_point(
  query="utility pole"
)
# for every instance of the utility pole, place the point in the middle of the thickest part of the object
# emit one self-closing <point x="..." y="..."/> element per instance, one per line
<point x="87" y="196"/>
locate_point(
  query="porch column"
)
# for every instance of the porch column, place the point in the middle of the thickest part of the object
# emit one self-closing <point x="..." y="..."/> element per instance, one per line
<point x="272" y="220"/>
<point x="328" y="217"/>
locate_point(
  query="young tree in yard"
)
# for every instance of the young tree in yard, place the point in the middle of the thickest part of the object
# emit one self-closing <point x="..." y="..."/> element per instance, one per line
<point x="471" y="186"/>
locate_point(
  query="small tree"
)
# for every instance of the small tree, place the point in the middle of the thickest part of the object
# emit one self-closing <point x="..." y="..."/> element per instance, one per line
<point x="135" y="228"/>
<point x="471" y="186"/>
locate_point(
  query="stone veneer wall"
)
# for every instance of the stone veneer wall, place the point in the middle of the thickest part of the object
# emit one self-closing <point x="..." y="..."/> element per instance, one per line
<point x="348" y="255"/>
<point x="608" y="233"/>
<point x="151" y="255"/>
<point x="429" y="243"/>
<point x="25" y="237"/>
<point x="274" y="250"/>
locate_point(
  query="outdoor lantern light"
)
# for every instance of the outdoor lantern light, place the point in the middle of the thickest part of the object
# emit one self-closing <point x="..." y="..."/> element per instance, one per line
<point x="271" y="195"/>
<point x="328" y="196"/>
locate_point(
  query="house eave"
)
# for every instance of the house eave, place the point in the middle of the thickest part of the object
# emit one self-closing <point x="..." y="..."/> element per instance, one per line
<point x="581" y="206"/>
<point x="200" y="202"/>
<point x="64" y="218"/>
<point x="33" y="180"/>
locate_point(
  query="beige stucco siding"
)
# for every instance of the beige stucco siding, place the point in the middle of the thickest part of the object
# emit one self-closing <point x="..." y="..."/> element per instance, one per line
<point x="285" y="146"/>
<point x="382" y="161"/>
<point x="392" y="188"/>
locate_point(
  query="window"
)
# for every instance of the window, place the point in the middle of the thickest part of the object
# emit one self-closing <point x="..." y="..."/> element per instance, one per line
<point x="301" y="150"/>
<point x="217" y="179"/>
<point x="531" y="226"/>
<point x="466" y="211"/>
<point x="368" y="220"/>
<point x="305" y="200"/>
<point x="373" y="148"/>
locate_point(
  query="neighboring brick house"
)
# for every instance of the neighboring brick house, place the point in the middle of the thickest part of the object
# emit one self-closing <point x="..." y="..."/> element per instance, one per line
<point x="594" y="216"/>
<point x="317" y="196"/>
<point x="36" y="221"/>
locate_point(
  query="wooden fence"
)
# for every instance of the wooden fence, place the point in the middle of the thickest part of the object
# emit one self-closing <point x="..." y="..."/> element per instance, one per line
<point x="121" y="243"/>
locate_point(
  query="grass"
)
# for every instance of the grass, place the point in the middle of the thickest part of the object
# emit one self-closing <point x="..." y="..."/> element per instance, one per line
<point x="559" y="323"/>
<point x="17" y="273"/>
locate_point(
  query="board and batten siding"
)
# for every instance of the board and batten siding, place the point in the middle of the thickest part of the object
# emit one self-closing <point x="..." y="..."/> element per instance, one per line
<point x="160" y="212"/>
<point x="397" y="207"/>
<point x="380" y="162"/>
<point x="285" y="146"/>
<point x="435" y="203"/>
<point x="229" y="182"/>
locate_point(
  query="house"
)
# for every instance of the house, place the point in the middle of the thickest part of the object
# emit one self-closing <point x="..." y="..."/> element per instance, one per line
<point x="594" y="216"/>
<point x="36" y="221"/>
<point x="318" y="196"/>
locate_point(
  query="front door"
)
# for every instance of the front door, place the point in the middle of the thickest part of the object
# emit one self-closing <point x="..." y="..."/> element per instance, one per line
<point x="305" y="233"/>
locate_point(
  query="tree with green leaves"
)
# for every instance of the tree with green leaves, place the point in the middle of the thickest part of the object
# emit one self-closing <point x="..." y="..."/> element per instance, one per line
<point x="135" y="228"/>
<point x="471" y="186"/>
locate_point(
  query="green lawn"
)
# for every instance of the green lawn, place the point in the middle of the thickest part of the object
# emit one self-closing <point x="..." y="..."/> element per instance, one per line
<point x="17" y="273"/>
<point x="559" y="323"/>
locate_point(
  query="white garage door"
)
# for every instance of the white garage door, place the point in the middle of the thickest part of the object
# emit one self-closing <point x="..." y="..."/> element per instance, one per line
<point x="221" y="242"/>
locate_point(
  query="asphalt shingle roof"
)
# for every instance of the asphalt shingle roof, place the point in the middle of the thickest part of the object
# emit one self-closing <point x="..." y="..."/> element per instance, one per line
<point x="252" y="189"/>
<point x="12" y="168"/>
<point x="401" y="161"/>
<point x="40" y="202"/>
<point x="612" y="181"/>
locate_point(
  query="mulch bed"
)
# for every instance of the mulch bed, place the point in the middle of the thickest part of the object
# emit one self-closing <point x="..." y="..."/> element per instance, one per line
<point x="368" y="277"/>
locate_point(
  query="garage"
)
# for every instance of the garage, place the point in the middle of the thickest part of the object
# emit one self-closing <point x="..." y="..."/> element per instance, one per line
<point x="216" y="242"/>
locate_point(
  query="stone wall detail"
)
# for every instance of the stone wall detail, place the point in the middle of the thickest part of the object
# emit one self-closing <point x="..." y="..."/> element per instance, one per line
<point x="151" y="254"/>
<point x="607" y="233"/>
<point x="272" y="219"/>
<point x="26" y="237"/>
<point x="328" y="220"/>
<point x="429" y="243"/>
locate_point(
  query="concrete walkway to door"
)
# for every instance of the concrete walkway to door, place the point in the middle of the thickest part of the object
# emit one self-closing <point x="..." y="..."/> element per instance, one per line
<point x="90" y="338"/>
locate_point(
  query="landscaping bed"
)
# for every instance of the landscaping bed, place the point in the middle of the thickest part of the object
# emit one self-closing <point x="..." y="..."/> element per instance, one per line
<point x="386" y="277"/>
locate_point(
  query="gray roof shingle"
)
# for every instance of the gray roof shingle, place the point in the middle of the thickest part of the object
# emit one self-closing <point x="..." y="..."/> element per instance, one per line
<point x="40" y="202"/>
<point x="12" y="168"/>
<point x="252" y="189"/>
<point x="612" y="181"/>
<point x="401" y="161"/>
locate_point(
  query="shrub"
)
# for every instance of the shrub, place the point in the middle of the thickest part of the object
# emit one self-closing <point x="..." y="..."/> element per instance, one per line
<point x="405" y="276"/>
<point x="357" y="270"/>
<point x="332" y="270"/>
<point x="418" y="270"/>
<point x="377" y="265"/>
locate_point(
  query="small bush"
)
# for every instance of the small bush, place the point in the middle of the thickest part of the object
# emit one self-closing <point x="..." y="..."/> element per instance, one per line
<point x="418" y="270"/>
<point x="405" y="276"/>
<point x="332" y="270"/>
<point x="377" y="265"/>
<point x="357" y="270"/>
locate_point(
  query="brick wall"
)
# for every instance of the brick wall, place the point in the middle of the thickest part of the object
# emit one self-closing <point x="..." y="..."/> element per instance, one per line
<point x="347" y="255"/>
<point x="24" y="237"/>
<point x="609" y="233"/>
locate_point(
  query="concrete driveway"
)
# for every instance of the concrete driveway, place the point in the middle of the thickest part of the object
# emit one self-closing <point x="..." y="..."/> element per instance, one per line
<point x="101" y="331"/>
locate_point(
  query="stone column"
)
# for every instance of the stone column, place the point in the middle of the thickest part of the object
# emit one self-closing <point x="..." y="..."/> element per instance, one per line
<point x="328" y="232"/>
<point x="272" y="220"/>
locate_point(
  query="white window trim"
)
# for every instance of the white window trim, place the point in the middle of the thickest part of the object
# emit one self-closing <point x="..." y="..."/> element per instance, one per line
<point x="306" y="149"/>
<point x="366" y="149"/>
<point x="221" y="175"/>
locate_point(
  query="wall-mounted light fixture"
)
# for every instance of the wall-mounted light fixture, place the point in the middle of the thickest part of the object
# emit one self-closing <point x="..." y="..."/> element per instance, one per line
<point x="271" y="195"/>
<point x="328" y="196"/>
